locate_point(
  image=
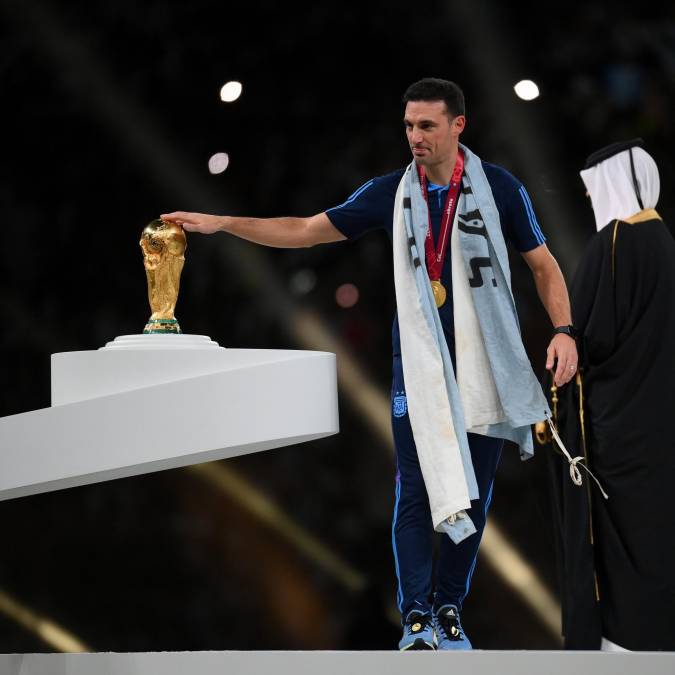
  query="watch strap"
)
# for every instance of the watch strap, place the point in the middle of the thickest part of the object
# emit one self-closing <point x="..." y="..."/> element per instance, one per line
<point x="567" y="330"/>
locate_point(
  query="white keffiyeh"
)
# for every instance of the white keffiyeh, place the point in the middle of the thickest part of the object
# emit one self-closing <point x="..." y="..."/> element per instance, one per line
<point x="611" y="188"/>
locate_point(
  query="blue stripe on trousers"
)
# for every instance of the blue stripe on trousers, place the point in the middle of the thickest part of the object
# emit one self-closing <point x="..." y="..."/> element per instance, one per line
<point x="399" y="593"/>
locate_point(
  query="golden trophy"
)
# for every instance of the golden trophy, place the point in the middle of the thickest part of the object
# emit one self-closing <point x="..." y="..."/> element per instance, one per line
<point x="163" y="244"/>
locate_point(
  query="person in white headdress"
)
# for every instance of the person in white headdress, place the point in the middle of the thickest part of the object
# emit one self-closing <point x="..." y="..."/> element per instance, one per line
<point x="617" y="555"/>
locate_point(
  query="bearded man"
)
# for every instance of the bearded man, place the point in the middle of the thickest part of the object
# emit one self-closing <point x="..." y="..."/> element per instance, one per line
<point x="462" y="382"/>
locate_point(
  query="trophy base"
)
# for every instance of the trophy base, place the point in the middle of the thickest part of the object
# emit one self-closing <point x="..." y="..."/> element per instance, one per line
<point x="160" y="326"/>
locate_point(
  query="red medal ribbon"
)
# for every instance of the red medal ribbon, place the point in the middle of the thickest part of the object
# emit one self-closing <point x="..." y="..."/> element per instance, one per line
<point x="436" y="255"/>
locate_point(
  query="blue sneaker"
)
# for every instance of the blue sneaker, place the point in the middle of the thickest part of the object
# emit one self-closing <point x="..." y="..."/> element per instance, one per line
<point x="449" y="629"/>
<point x="418" y="631"/>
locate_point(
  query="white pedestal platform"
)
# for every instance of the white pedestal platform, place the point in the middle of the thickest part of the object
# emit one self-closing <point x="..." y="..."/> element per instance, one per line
<point x="342" y="663"/>
<point x="150" y="402"/>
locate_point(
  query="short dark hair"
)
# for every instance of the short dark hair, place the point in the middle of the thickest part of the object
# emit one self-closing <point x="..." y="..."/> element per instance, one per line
<point x="435" y="89"/>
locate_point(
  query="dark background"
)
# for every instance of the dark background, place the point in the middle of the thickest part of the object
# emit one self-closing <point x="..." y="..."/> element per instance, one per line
<point x="110" y="114"/>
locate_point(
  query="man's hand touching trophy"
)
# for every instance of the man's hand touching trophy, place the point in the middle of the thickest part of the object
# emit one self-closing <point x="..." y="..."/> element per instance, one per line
<point x="203" y="223"/>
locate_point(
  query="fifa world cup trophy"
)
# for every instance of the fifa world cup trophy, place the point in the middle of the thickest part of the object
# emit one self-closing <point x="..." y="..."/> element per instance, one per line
<point x="163" y="244"/>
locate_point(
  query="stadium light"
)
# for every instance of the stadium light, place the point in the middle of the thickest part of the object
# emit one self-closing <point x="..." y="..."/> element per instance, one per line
<point x="231" y="91"/>
<point x="219" y="162"/>
<point x="527" y="90"/>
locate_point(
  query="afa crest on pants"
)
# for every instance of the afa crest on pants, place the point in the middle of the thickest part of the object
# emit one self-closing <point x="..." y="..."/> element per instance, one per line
<point x="399" y="404"/>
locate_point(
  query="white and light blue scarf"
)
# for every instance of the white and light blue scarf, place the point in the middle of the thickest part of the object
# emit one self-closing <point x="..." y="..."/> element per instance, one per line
<point x="494" y="392"/>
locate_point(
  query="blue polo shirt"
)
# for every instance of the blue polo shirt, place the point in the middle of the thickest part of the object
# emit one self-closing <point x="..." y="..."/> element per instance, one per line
<point x="371" y="207"/>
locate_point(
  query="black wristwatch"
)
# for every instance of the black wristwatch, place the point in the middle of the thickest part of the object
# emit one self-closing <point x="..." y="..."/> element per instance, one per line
<point x="568" y="330"/>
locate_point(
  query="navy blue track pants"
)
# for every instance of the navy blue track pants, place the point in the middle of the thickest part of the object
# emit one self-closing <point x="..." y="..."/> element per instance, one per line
<point x="412" y="529"/>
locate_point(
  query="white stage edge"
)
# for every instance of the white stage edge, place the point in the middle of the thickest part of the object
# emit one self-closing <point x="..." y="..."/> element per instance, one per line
<point x="152" y="402"/>
<point x="342" y="663"/>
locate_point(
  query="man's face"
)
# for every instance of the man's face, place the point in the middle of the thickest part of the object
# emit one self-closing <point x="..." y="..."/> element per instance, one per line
<point x="431" y="133"/>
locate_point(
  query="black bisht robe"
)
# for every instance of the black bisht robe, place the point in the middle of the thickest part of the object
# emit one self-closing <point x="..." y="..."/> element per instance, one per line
<point x="617" y="556"/>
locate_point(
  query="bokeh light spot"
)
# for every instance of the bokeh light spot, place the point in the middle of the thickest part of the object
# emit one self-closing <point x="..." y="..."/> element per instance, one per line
<point x="347" y="295"/>
<point x="527" y="90"/>
<point x="219" y="162"/>
<point x="303" y="282"/>
<point x="231" y="91"/>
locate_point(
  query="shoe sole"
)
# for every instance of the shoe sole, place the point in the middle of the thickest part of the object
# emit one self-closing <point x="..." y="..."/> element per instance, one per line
<point x="418" y="645"/>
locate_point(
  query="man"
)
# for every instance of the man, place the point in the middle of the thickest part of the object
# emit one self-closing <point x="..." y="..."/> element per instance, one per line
<point x="446" y="202"/>
<point x="618" y="555"/>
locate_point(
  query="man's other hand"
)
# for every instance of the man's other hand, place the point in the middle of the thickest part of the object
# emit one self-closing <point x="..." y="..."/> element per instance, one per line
<point x="564" y="349"/>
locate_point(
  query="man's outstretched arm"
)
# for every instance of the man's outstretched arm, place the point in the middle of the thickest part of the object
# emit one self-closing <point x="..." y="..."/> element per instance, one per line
<point x="277" y="232"/>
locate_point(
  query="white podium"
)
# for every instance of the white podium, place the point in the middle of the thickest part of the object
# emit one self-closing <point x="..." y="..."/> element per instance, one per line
<point x="343" y="663"/>
<point x="146" y="403"/>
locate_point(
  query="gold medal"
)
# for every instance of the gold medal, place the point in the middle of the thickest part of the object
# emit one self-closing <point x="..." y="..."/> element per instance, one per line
<point x="439" y="292"/>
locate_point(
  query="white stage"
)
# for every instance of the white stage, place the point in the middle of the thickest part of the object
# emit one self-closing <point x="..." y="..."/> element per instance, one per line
<point x="151" y="402"/>
<point x="342" y="663"/>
